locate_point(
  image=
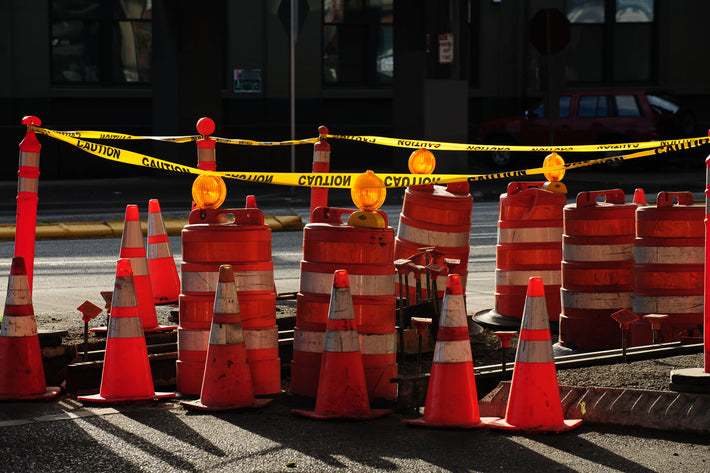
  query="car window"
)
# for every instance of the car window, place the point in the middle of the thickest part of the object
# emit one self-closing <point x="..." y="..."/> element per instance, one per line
<point x="565" y="100"/>
<point x="626" y="106"/>
<point x="662" y="103"/>
<point x="588" y="106"/>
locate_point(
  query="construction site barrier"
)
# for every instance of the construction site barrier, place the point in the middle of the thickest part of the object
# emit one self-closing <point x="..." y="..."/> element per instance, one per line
<point x="668" y="269"/>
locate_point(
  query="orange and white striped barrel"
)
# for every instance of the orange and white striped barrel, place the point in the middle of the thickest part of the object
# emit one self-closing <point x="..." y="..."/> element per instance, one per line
<point x="238" y="237"/>
<point x="597" y="268"/>
<point x="367" y="255"/>
<point x="529" y="245"/>
<point x="668" y="275"/>
<point x="438" y="216"/>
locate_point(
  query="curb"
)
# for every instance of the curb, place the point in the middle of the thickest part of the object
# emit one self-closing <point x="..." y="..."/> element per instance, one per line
<point x="114" y="229"/>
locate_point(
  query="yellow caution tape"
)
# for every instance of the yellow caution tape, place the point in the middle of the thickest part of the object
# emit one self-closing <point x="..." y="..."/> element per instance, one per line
<point x="343" y="180"/>
<point x="445" y="146"/>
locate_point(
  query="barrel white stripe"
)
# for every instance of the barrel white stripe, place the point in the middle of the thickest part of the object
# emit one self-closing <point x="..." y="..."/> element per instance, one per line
<point x="534" y="351"/>
<point x="206" y="281"/>
<point x="530" y="235"/>
<point x="431" y="237"/>
<point x="521" y="278"/>
<point x="621" y="252"/>
<point x="595" y="300"/>
<point x="193" y="340"/>
<point x="669" y="254"/>
<point x="341" y="341"/>
<point x="18" y="326"/>
<point x="378" y="343"/>
<point x="307" y="341"/>
<point x="226" y="334"/>
<point x="125" y="327"/>
<point x="260" y="339"/>
<point x="667" y="304"/>
<point x="452" y="351"/>
<point x="360" y="284"/>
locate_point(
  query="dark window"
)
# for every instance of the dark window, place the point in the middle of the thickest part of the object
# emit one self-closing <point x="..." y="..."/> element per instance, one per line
<point x="611" y="41"/>
<point x="357" y="42"/>
<point x="97" y="42"/>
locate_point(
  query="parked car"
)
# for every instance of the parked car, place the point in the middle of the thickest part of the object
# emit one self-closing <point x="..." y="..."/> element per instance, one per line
<point x="591" y="117"/>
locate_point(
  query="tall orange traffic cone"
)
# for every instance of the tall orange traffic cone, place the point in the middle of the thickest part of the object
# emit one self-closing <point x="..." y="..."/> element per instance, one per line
<point x="227" y="382"/>
<point x="132" y="247"/>
<point x="342" y="391"/>
<point x="534" y="402"/>
<point x="21" y="370"/>
<point x="164" y="277"/>
<point x="126" y="374"/>
<point x="452" y="401"/>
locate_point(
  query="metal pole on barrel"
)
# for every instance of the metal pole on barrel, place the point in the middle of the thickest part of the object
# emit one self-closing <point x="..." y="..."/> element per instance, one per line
<point x="27" y="187"/>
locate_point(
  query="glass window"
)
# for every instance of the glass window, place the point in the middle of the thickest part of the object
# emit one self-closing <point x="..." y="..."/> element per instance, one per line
<point x="627" y="106"/>
<point x="588" y="106"/>
<point x="565" y="101"/>
<point x="636" y="11"/>
<point x="101" y="43"/>
<point x="612" y="41"/>
<point x="357" y="42"/>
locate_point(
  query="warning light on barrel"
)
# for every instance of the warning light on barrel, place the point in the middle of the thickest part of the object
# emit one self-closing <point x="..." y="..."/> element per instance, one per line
<point x="422" y="161"/>
<point x="209" y="191"/>
<point x="553" y="160"/>
<point x="368" y="191"/>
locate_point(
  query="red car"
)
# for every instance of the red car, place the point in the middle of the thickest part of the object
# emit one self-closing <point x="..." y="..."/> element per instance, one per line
<point x="590" y="117"/>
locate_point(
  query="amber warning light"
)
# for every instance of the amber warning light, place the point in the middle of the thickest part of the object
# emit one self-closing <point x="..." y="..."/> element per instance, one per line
<point x="209" y="191"/>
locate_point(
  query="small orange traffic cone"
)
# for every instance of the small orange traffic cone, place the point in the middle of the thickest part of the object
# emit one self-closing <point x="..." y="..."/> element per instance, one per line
<point x="342" y="391"/>
<point x="534" y="401"/>
<point x="227" y="382"/>
<point x="126" y="374"/>
<point x="164" y="277"/>
<point x="452" y="401"/>
<point x="132" y="247"/>
<point x="21" y="370"/>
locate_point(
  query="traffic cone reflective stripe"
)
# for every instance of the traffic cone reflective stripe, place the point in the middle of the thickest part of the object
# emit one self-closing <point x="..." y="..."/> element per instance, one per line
<point x="227" y="382"/>
<point x="342" y="389"/>
<point x="126" y="373"/>
<point x="452" y="400"/>
<point x="534" y="401"/>
<point x="21" y="369"/>
<point x="163" y="272"/>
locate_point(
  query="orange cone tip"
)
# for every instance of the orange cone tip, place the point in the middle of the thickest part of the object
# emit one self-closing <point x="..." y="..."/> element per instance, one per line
<point x="225" y="273"/>
<point x="251" y="202"/>
<point x="453" y="285"/>
<point x="341" y="279"/>
<point x="123" y="268"/>
<point x="18" y="266"/>
<point x="536" y="288"/>
<point x="153" y="206"/>
<point x="132" y="212"/>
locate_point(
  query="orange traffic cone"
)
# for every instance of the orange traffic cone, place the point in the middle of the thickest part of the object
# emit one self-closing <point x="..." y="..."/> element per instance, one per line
<point x="452" y="401"/>
<point x="21" y="370"/>
<point x="164" y="277"/>
<point x="227" y="382"/>
<point x="342" y="391"/>
<point x="126" y="375"/>
<point x="534" y="402"/>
